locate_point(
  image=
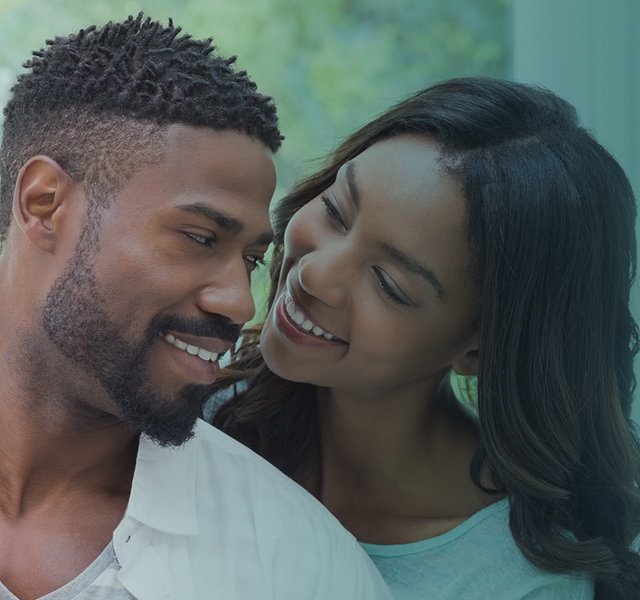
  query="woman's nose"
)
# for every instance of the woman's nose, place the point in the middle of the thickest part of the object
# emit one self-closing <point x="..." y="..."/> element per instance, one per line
<point x="324" y="274"/>
<point x="322" y="255"/>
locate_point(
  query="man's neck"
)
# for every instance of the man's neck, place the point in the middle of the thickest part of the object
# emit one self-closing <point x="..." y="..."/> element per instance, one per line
<point x="66" y="464"/>
<point x="50" y="439"/>
<point x="42" y="457"/>
<point x="64" y="487"/>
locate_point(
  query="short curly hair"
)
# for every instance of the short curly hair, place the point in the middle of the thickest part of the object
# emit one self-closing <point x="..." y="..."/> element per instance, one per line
<point x="97" y="102"/>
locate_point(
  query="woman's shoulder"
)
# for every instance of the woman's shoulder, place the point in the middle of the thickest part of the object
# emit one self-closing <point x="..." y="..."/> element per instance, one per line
<point x="477" y="559"/>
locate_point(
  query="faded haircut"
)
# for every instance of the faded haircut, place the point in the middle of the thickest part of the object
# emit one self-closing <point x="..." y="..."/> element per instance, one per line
<point x="98" y="101"/>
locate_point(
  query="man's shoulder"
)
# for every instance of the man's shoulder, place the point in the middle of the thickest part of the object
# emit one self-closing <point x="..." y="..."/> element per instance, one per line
<point x="223" y="458"/>
<point x="265" y="519"/>
<point x="222" y="518"/>
<point x="228" y="468"/>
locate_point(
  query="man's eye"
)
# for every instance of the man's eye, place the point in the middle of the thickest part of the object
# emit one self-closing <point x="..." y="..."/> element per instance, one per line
<point x="256" y="261"/>
<point x="201" y="239"/>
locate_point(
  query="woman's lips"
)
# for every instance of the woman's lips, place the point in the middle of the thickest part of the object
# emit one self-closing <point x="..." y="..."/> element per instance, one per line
<point x="298" y="328"/>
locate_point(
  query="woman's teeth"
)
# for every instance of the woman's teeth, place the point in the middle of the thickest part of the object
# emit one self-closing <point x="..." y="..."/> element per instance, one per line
<point x="299" y="319"/>
<point x="194" y="350"/>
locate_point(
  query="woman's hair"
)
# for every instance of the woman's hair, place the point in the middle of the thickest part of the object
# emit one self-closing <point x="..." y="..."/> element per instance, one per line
<point x="551" y="221"/>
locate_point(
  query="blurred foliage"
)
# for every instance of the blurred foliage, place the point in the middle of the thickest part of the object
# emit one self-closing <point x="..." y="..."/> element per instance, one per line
<point x="331" y="65"/>
<point x="465" y="388"/>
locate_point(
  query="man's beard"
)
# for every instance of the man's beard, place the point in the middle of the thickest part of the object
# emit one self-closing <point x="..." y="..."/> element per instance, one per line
<point x="74" y="319"/>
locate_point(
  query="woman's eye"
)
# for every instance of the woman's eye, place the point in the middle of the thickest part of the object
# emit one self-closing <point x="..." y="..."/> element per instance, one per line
<point x="389" y="291"/>
<point x="201" y="239"/>
<point x="332" y="210"/>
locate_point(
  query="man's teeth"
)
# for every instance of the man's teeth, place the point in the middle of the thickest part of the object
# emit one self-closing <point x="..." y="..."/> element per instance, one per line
<point x="200" y="352"/>
<point x="299" y="319"/>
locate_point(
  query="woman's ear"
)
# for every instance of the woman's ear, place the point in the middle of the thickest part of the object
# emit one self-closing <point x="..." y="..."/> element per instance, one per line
<point x="39" y="200"/>
<point x="467" y="364"/>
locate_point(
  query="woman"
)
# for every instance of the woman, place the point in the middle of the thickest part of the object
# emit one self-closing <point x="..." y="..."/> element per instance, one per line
<point x="474" y="228"/>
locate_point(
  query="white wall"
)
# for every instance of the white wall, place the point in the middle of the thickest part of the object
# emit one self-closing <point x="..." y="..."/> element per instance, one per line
<point x="588" y="51"/>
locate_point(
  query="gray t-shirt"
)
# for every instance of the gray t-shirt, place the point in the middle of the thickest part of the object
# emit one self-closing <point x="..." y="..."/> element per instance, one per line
<point x="478" y="560"/>
<point x="99" y="581"/>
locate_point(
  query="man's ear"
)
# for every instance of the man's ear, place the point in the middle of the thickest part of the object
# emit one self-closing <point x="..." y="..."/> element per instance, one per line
<point x="39" y="200"/>
<point x="467" y="364"/>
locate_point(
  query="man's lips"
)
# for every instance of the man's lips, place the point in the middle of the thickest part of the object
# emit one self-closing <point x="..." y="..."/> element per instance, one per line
<point x="199" y="363"/>
<point x="212" y="345"/>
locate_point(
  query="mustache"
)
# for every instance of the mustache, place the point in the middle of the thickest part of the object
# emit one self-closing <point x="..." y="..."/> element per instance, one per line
<point x="213" y="326"/>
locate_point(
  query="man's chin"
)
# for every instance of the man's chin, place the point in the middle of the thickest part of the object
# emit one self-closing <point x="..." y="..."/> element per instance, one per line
<point x="170" y="422"/>
<point x="170" y="437"/>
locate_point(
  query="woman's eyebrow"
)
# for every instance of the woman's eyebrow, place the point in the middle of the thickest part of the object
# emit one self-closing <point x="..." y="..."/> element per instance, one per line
<point x="351" y="184"/>
<point x="411" y="264"/>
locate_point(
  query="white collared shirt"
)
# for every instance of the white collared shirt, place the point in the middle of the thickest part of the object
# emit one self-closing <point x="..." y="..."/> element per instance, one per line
<point x="213" y="520"/>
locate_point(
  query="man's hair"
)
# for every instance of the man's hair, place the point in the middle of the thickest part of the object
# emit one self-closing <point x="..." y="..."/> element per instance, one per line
<point x="97" y="102"/>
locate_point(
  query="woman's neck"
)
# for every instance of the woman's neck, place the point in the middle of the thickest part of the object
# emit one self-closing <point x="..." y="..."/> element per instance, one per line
<point x="394" y="467"/>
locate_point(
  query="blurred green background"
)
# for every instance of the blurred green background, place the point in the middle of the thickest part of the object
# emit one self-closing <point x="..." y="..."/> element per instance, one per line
<point x="330" y="65"/>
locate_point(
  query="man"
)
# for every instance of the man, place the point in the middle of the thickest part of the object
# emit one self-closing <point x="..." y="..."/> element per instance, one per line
<point x="136" y="174"/>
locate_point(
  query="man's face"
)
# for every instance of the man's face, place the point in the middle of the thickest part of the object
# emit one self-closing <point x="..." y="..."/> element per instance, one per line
<point x="146" y="306"/>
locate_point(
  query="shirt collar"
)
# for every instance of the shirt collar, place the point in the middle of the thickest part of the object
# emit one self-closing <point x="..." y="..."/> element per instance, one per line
<point x="163" y="493"/>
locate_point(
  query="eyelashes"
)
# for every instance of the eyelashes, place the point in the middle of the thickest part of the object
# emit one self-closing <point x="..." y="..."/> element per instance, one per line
<point x="388" y="291"/>
<point x="258" y="261"/>
<point x="334" y="215"/>
<point x="332" y="210"/>
<point x="201" y="239"/>
<point x="254" y="260"/>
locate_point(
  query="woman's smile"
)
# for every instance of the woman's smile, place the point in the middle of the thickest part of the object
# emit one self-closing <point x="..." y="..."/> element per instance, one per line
<point x="293" y="321"/>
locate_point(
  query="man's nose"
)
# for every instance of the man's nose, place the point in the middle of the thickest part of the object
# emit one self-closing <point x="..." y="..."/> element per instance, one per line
<point x="229" y="294"/>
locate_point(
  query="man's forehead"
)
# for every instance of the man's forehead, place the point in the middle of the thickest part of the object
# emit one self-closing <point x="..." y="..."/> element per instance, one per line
<point x="220" y="157"/>
<point x="223" y="177"/>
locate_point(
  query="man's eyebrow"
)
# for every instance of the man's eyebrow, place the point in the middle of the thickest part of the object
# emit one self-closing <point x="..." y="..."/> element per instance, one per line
<point x="351" y="183"/>
<point x="227" y="222"/>
<point x="265" y="239"/>
<point x="411" y="264"/>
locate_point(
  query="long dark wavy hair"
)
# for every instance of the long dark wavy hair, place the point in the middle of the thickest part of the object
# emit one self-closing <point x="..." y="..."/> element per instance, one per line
<point x="551" y="219"/>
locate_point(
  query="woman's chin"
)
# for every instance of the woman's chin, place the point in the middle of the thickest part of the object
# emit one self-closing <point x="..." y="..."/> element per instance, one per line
<point x="279" y="360"/>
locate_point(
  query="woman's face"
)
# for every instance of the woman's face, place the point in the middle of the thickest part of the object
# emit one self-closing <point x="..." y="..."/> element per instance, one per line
<point x="375" y="291"/>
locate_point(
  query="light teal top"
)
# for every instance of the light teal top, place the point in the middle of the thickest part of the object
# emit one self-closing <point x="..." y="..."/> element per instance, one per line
<point x="477" y="560"/>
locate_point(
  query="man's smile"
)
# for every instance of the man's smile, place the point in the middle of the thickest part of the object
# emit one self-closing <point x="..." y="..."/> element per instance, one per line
<point x="196" y="356"/>
<point x="208" y="349"/>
